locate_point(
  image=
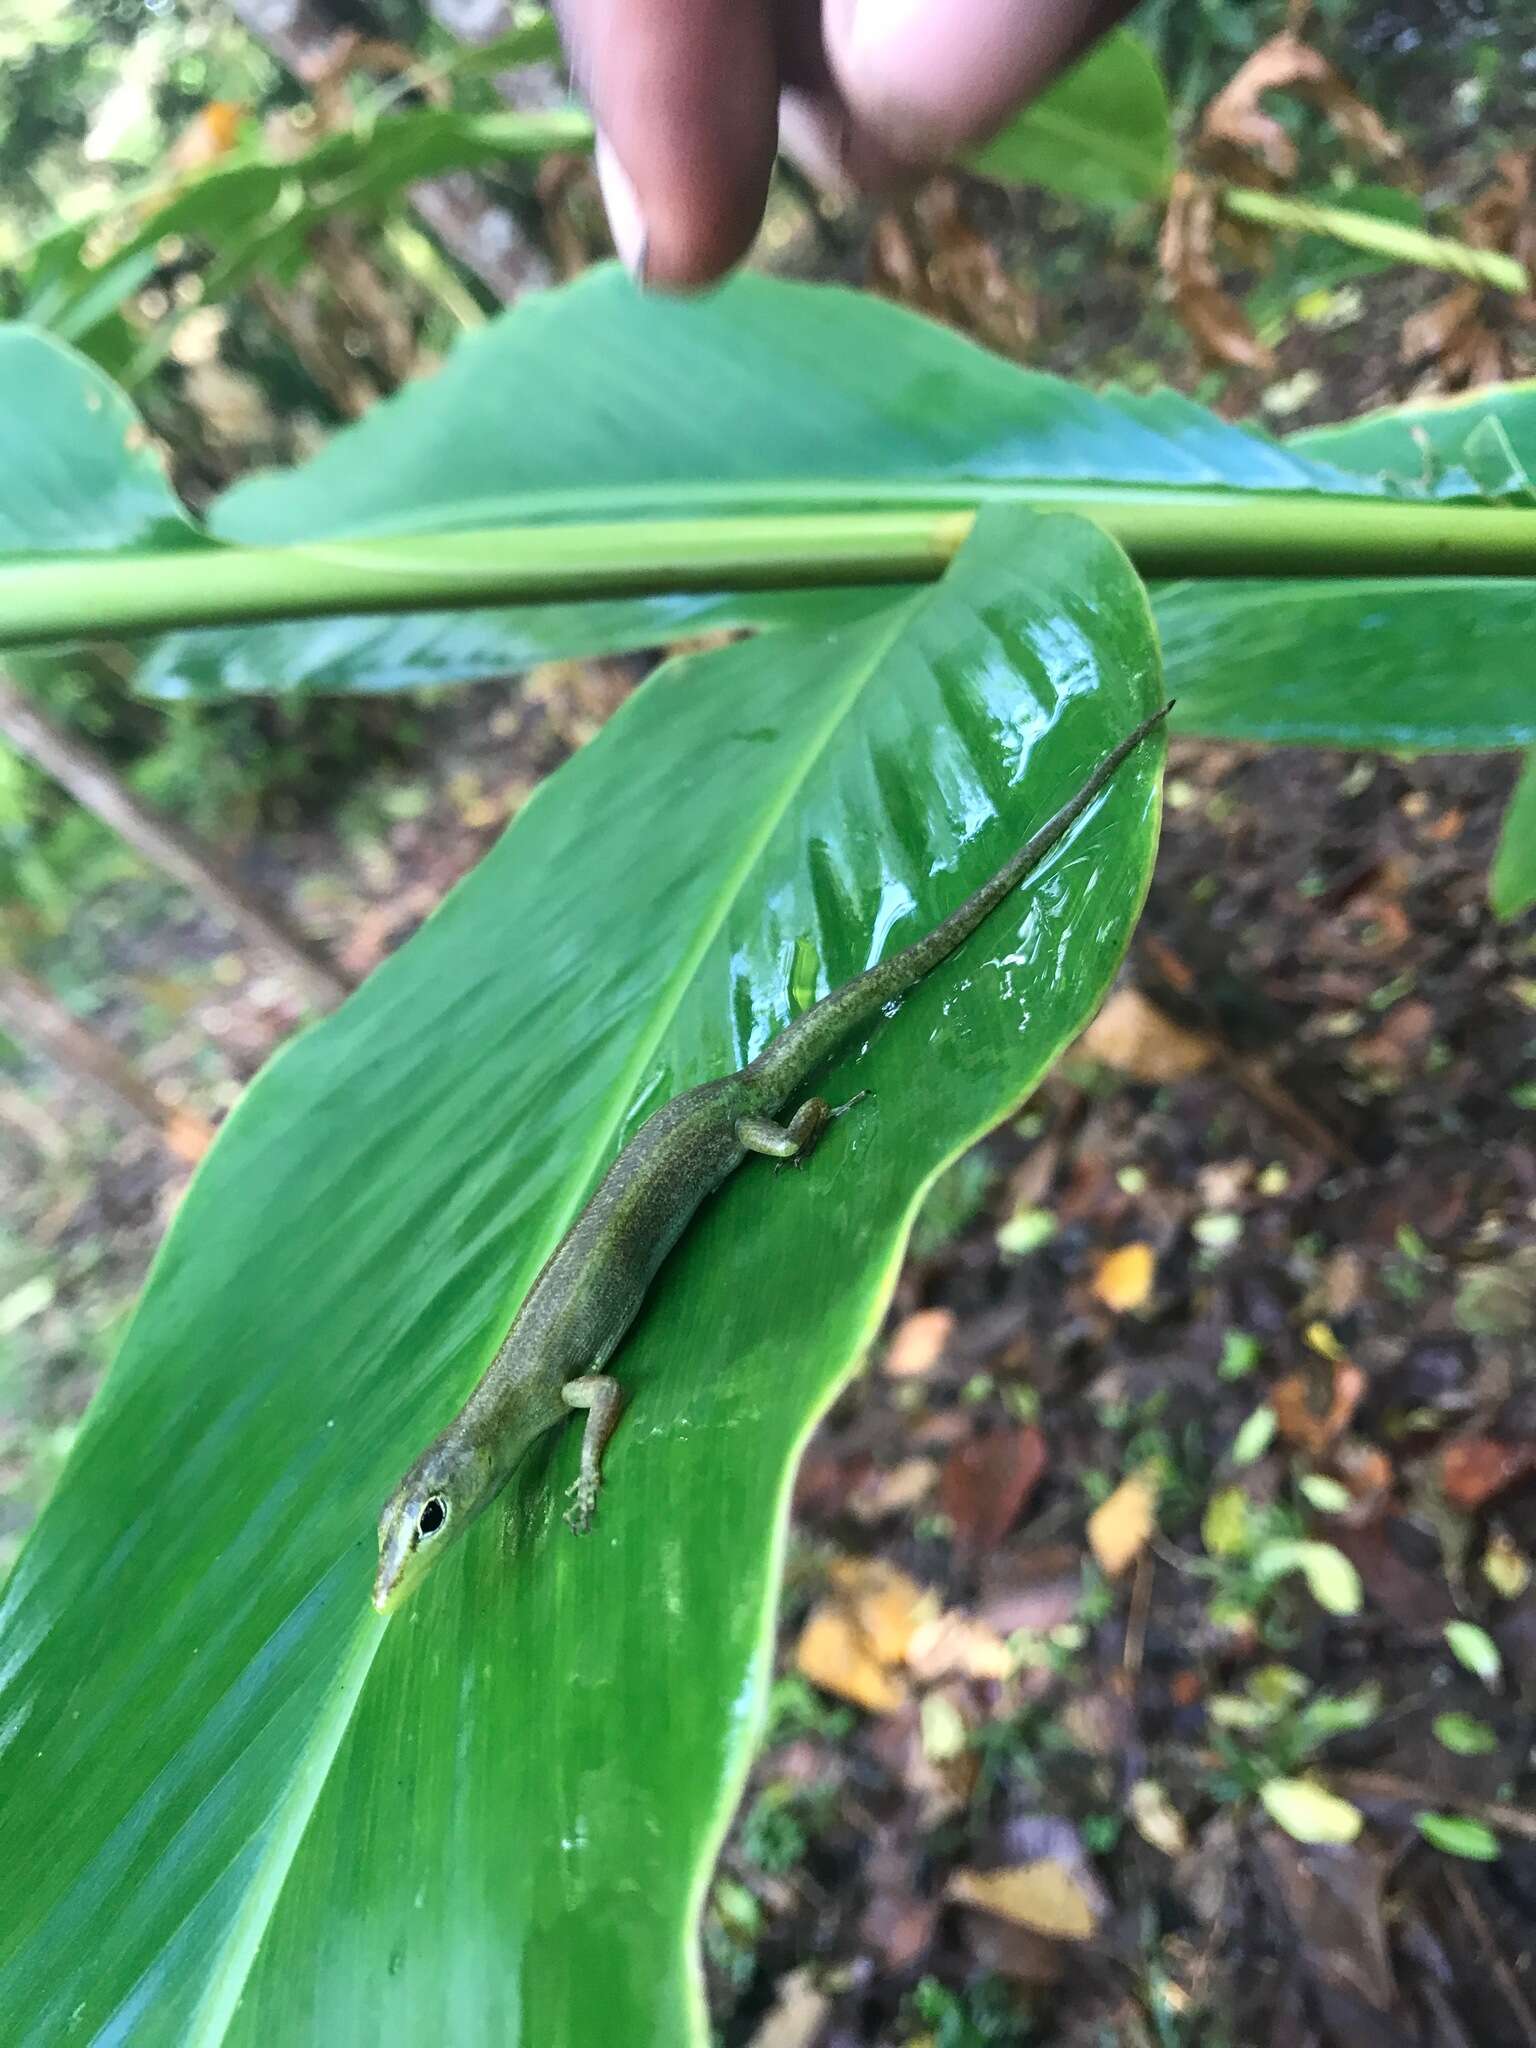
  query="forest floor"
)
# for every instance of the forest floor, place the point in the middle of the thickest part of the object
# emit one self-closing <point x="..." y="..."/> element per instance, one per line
<point x="1200" y="1446"/>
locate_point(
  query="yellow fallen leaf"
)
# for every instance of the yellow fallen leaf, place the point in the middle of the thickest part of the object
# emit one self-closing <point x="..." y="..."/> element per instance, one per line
<point x="1123" y="1279"/>
<point x="893" y="1491"/>
<point x="833" y="1653"/>
<point x="1225" y="1527"/>
<point x="1308" y="1812"/>
<point x="1044" y="1896"/>
<point x="1157" y="1820"/>
<point x="1119" y="1527"/>
<point x="918" y="1345"/>
<point x="884" y="1605"/>
<point x="1133" y="1036"/>
<point x="958" y="1644"/>
<point x="1506" y="1568"/>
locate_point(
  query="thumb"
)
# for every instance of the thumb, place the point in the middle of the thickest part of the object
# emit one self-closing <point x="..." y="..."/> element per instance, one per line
<point x="929" y="77"/>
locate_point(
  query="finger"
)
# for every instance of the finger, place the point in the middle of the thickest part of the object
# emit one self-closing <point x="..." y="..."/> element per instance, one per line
<point x="924" y="78"/>
<point x="684" y="94"/>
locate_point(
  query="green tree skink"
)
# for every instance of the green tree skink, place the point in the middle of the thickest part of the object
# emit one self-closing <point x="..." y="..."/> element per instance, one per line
<point x="579" y="1308"/>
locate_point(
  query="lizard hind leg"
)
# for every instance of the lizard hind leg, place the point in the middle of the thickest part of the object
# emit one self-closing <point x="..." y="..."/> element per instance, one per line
<point x="602" y="1398"/>
<point x="793" y="1143"/>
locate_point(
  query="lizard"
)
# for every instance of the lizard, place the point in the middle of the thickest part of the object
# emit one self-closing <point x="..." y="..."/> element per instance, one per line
<point x="580" y="1307"/>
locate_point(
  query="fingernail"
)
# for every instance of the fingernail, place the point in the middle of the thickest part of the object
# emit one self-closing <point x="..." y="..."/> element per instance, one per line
<point x="626" y="223"/>
<point x="814" y="137"/>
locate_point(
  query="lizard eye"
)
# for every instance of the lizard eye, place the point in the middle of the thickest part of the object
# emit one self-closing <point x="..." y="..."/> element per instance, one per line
<point x="432" y="1517"/>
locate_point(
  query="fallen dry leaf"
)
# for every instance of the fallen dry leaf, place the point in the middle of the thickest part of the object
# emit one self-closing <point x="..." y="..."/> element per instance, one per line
<point x="885" y="1604"/>
<point x="1186" y="257"/>
<point x="895" y="1490"/>
<point x="1119" y="1527"/>
<point x="1302" y="1424"/>
<point x="957" y="1645"/>
<point x="1134" y="1037"/>
<point x="1506" y="1567"/>
<point x="927" y="254"/>
<point x="1008" y="1950"/>
<point x="919" y="1343"/>
<point x="834" y="1654"/>
<point x="987" y="1481"/>
<point x="1099" y="1723"/>
<point x="1477" y="1468"/>
<point x="798" y="2015"/>
<point x="187" y="1135"/>
<point x="1405" y="1032"/>
<point x="1466" y="332"/>
<point x="1286" y="64"/>
<point x="1036" y="1590"/>
<point x="1043" y="1896"/>
<point x="1156" y="1819"/>
<point x="898" y="1925"/>
<point x="1366" y="1470"/>
<point x="852" y="1642"/>
<point x="1123" y="1279"/>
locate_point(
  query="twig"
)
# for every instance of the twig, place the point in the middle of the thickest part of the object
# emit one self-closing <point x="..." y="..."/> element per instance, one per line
<point x="1509" y="1820"/>
<point x="93" y="784"/>
<point x="37" y="1015"/>
<point x="1136" y="1620"/>
<point x="1477" y="1920"/>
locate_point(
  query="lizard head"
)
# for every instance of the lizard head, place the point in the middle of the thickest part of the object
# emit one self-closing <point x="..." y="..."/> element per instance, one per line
<point x="427" y="1513"/>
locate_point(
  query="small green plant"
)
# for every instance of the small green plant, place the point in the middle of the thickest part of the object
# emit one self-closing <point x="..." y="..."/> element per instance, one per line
<point x="1277" y="1723"/>
<point x="982" y="2015"/>
<point x="733" y="1926"/>
<point x="954" y="1201"/>
<point x="782" y="1822"/>
<point x="796" y="1708"/>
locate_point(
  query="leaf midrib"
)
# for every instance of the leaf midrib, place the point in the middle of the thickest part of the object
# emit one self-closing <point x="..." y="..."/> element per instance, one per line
<point x="228" y="1981"/>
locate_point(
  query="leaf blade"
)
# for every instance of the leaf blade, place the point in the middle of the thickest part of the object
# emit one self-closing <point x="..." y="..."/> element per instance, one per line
<point x="350" y="1252"/>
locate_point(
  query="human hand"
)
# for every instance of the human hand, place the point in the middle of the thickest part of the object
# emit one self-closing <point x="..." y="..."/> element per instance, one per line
<point x="691" y="98"/>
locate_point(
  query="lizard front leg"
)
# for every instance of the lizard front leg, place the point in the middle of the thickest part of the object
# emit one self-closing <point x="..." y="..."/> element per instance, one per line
<point x="602" y="1398"/>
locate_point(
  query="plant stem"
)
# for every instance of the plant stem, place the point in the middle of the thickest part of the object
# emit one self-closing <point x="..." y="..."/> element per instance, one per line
<point x="1167" y="534"/>
<point x="1381" y="237"/>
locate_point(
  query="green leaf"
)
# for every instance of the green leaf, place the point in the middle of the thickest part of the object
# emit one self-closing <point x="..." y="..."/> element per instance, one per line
<point x="272" y="1817"/>
<point x="771" y="395"/>
<point x="1512" y="881"/>
<point x="257" y="215"/>
<point x="1458" y="1836"/>
<point x="1330" y="1714"/>
<point x="1465" y="1735"/>
<point x="1323" y="1493"/>
<point x="1444" y="445"/>
<point x="784" y="401"/>
<point x="1101" y="134"/>
<point x="1331" y="1579"/>
<point x="79" y="469"/>
<point x="1255" y="1436"/>
<point x="1475" y="1650"/>
<point x="1240" y="1353"/>
<point x="1225" y="1526"/>
<point x="1352" y="661"/>
<point x="1309" y="262"/>
<point x="1025" y="1231"/>
<point x="1308" y="1813"/>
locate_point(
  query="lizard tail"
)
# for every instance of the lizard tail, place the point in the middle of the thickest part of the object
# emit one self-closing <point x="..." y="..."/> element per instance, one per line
<point x="784" y="1057"/>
